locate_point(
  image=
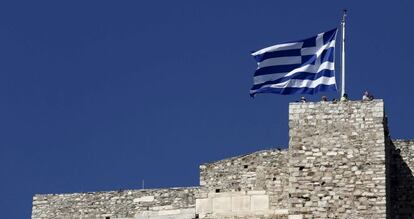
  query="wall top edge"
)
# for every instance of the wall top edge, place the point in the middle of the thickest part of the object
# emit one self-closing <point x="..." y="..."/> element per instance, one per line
<point x="338" y="102"/>
<point x="118" y="191"/>
<point x="402" y="140"/>
<point x="277" y="150"/>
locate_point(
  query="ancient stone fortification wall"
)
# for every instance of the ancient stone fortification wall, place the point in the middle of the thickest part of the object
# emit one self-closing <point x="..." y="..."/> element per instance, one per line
<point x="263" y="170"/>
<point x="139" y="204"/>
<point x="337" y="163"/>
<point x="405" y="149"/>
<point x="245" y="186"/>
<point x="400" y="179"/>
<point x="341" y="163"/>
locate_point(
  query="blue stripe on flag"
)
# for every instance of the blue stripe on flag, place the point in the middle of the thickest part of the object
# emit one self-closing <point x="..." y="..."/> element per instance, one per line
<point x="328" y="55"/>
<point x="299" y="75"/>
<point x="329" y="36"/>
<point x="307" y="60"/>
<point x="310" y="42"/>
<point x="301" y="90"/>
<point x="275" y="54"/>
<point x="276" y="69"/>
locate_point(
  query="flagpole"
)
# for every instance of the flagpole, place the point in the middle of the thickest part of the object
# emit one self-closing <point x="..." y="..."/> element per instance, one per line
<point x="343" y="54"/>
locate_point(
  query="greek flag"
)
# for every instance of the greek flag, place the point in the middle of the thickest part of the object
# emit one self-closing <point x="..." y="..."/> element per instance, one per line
<point x="305" y="66"/>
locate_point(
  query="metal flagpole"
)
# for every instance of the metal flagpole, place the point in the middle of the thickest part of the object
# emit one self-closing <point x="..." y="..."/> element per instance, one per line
<point x="343" y="54"/>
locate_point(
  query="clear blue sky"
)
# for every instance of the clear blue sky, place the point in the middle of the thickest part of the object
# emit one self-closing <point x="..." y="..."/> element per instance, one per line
<point x="98" y="95"/>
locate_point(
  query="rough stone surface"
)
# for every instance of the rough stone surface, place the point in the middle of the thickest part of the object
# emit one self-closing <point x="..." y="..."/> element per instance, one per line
<point x="219" y="205"/>
<point x="400" y="179"/>
<point x="115" y="204"/>
<point x="265" y="171"/>
<point x="341" y="163"/>
<point x="337" y="163"/>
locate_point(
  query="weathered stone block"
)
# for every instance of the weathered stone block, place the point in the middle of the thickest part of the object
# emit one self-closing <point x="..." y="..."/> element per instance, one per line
<point x="144" y="199"/>
<point x="204" y="206"/>
<point x="259" y="202"/>
<point x="240" y="203"/>
<point x="298" y="216"/>
<point x="222" y="205"/>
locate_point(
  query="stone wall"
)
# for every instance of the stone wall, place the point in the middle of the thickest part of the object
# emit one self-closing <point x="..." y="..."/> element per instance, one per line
<point x="253" y="184"/>
<point x="337" y="163"/>
<point x="250" y="204"/>
<point x="341" y="163"/>
<point x="137" y="204"/>
<point x="400" y="179"/>
<point x="405" y="149"/>
<point x="263" y="170"/>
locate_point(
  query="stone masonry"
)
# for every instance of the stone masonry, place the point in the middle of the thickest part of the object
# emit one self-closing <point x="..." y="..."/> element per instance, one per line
<point x="400" y="179"/>
<point x="337" y="163"/>
<point x="248" y="186"/>
<point x="341" y="163"/>
<point x="137" y="204"/>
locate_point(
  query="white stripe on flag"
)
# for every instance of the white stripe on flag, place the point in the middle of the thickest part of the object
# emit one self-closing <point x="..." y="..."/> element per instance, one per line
<point x="307" y="68"/>
<point x="326" y="66"/>
<point x="263" y="78"/>
<point x="279" y="47"/>
<point x="311" y="50"/>
<point x="312" y="68"/>
<point x="290" y="60"/>
<point x="299" y="83"/>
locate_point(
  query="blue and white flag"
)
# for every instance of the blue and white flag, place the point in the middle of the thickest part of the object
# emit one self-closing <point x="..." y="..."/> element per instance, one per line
<point x="305" y="66"/>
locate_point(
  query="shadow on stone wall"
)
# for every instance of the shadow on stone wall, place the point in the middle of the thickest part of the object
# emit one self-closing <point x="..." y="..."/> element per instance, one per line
<point x="400" y="184"/>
